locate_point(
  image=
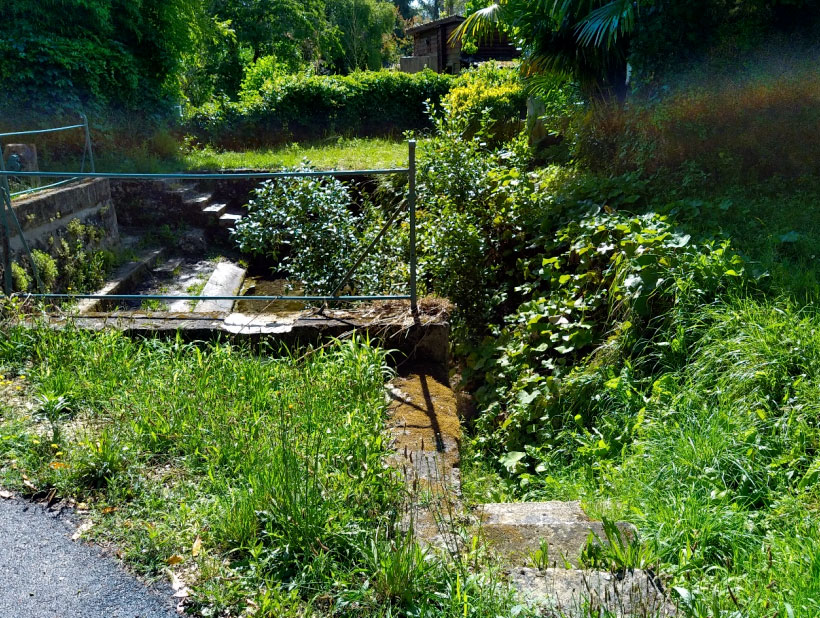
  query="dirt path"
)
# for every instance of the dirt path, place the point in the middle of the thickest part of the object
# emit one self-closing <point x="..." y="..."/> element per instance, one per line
<point x="44" y="574"/>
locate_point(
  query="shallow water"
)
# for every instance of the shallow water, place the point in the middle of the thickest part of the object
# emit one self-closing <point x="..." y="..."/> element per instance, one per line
<point x="260" y="286"/>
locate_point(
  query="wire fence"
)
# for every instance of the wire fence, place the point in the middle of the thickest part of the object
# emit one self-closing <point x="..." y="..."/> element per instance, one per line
<point x="8" y="218"/>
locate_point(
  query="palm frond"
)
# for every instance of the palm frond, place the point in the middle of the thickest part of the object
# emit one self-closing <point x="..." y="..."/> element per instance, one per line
<point x="602" y="26"/>
<point x="481" y="24"/>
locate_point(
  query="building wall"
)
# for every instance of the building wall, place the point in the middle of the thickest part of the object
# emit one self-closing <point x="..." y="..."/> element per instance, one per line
<point x="443" y="56"/>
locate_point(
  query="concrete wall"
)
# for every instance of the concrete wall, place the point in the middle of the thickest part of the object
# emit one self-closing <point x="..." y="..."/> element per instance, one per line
<point x="45" y="216"/>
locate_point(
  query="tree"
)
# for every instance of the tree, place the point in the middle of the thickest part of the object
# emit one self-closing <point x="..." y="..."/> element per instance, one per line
<point x="592" y="40"/>
<point x="292" y="30"/>
<point x="60" y="55"/>
<point x="583" y="38"/>
<point x="365" y="30"/>
<point x="435" y="9"/>
<point x="405" y="8"/>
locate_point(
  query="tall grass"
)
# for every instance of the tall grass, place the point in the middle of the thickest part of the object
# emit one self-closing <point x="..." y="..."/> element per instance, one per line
<point x="261" y="477"/>
<point x="721" y="476"/>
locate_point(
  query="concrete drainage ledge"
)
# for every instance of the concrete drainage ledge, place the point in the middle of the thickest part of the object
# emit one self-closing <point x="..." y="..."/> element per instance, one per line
<point x="126" y="277"/>
<point x="425" y="342"/>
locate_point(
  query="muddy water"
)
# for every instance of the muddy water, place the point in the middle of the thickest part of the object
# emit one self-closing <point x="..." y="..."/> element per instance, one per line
<point x="259" y="286"/>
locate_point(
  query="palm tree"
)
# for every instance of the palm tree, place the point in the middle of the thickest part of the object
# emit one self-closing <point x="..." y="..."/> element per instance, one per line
<point x="586" y="39"/>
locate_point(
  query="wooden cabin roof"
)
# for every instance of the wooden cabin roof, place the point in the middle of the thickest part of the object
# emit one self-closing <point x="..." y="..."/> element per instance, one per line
<point x="433" y="25"/>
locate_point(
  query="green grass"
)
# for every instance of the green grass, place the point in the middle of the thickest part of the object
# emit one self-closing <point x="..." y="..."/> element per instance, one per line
<point x="356" y="153"/>
<point x="337" y="153"/>
<point x="259" y="479"/>
<point x="774" y="224"/>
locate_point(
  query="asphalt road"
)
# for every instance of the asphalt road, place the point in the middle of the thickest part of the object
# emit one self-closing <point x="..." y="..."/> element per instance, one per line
<point x="44" y="574"/>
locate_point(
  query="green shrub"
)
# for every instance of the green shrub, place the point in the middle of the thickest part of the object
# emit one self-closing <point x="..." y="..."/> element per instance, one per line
<point x="83" y="269"/>
<point x="305" y="226"/>
<point x="278" y="108"/>
<point x="19" y="278"/>
<point x="46" y="269"/>
<point x="489" y="91"/>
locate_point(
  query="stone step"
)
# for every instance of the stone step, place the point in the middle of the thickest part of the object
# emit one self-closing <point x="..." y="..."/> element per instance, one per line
<point x="198" y="200"/>
<point x="515" y="531"/>
<point x="226" y="280"/>
<point x="229" y="220"/>
<point x="214" y="211"/>
<point x="572" y="593"/>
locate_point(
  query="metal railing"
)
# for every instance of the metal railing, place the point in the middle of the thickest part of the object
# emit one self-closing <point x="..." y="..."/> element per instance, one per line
<point x="410" y="204"/>
<point x="88" y="153"/>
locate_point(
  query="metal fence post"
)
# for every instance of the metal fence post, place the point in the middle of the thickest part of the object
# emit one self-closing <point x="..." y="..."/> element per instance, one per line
<point x="411" y="202"/>
<point x="88" y="144"/>
<point x="4" y="191"/>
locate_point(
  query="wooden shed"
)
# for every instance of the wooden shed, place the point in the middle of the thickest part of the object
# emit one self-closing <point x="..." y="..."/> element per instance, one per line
<point x="432" y="48"/>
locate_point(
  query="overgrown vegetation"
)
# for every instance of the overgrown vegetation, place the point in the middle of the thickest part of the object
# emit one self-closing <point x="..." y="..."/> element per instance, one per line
<point x="260" y="480"/>
<point x="634" y="318"/>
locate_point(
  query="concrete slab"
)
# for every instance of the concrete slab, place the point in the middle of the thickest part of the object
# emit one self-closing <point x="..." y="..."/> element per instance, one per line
<point x="229" y="220"/>
<point x="516" y="530"/>
<point x="226" y="280"/>
<point x="582" y="593"/>
<point x="426" y="432"/>
<point x="423" y="342"/>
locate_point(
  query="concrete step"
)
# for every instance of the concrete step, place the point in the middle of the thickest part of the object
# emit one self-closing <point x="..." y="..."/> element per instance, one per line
<point x="572" y="593"/>
<point x="214" y="211"/>
<point x="198" y="200"/>
<point x="226" y="280"/>
<point x="516" y="530"/>
<point x="229" y="220"/>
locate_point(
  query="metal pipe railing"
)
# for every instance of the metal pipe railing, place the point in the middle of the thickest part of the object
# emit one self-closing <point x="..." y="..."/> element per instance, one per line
<point x="306" y="299"/>
<point x="5" y="198"/>
<point x="410" y="202"/>
<point x="41" y="131"/>
<point x="210" y="176"/>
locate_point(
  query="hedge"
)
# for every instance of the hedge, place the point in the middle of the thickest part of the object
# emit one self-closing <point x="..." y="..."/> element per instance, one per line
<point x="307" y="107"/>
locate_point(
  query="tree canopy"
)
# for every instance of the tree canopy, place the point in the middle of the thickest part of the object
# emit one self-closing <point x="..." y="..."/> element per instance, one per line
<point x="58" y="55"/>
<point x="593" y="40"/>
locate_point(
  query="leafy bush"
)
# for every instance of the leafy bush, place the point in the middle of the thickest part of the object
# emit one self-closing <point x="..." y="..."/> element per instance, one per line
<point x="83" y="268"/>
<point x="305" y="226"/>
<point x="19" y="278"/>
<point x="46" y="268"/>
<point x="497" y="93"/>
<point x="608" y="275"/>
<point x="278" y="108"/>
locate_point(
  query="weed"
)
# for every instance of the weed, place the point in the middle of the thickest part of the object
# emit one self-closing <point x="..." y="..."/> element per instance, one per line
<point x="540" y="558"/>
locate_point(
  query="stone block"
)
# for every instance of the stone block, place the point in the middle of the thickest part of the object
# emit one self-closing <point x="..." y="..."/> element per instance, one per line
<point x="26" y="155"/>
<point x="582" y="593"/>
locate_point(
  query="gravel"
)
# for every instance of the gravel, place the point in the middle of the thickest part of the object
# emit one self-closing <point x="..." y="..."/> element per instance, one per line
<point x="44" y="574"/>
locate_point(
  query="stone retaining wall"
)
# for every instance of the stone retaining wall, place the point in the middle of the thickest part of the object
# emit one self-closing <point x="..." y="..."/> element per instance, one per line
<point x="44" y="217"/>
